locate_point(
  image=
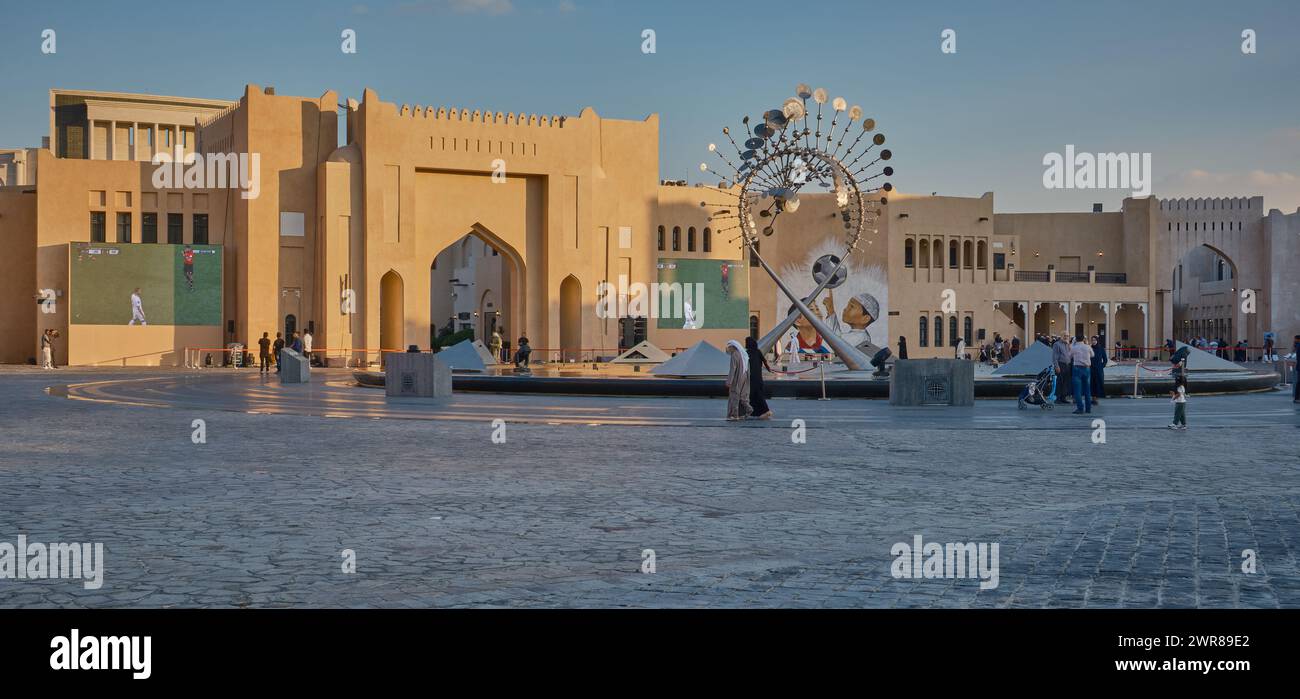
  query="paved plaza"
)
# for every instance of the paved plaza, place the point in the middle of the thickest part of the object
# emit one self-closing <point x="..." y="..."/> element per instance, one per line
<point x="559" y="514"/>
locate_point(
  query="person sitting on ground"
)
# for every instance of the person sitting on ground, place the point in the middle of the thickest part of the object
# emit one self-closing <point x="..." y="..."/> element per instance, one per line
<point x="522" y="352"/>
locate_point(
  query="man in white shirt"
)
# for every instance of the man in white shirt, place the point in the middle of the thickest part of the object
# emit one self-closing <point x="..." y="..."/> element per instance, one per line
<point x="306" y="345"/>
<point x="1081" y="376"/>
<point x="137" y="308"/>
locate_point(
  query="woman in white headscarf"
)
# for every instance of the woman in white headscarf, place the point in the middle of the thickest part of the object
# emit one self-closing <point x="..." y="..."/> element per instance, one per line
<point x="737" y="381"/>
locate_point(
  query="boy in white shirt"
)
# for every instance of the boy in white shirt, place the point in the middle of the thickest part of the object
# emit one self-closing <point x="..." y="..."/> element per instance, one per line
<point x="1178" y="397"/>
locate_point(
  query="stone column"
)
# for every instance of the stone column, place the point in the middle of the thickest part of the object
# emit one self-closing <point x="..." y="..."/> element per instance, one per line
<point x="1110" y="326"/>
<point x="1146" y="329"/>
<point x="1029" y="308"/>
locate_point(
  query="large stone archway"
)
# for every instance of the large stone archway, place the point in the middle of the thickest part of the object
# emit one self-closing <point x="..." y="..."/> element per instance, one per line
<point x="1207" y="299"/>
<point x="505" y="296"/>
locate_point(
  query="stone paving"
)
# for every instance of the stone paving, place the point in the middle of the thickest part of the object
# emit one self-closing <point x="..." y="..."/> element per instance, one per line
<point x="737" y="514"/>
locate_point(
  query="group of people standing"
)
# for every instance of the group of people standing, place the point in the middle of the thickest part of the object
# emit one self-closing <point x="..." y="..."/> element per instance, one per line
<point x="1080" y="371"/>
<point x="1000" y="351"/>
<point x="268" y="350"/>
<point x="746" y="394"/>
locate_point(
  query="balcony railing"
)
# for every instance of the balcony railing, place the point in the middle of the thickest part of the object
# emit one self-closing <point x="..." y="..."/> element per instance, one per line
<point x="1028" y="276"/>
<point x="1022" y="275"/>
<point x="1073" y="277"/>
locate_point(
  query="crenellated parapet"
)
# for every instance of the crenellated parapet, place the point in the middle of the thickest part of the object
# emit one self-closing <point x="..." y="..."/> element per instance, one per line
<point x="478" y="116"/>
<point x="1242" y="204"/>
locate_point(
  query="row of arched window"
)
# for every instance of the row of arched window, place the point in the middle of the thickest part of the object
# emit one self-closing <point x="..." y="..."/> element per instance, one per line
<point x="706" y="239"/>
<point x="967" y="255"/>
<point x="924" y="324"/>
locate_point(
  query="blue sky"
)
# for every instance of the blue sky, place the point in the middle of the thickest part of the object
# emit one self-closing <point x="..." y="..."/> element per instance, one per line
<point x="1028" y="78"/>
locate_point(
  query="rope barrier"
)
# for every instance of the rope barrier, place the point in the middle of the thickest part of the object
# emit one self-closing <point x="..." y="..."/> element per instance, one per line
<point x="794" y="373"/>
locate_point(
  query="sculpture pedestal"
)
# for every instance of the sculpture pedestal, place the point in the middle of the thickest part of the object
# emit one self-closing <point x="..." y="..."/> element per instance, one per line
<point x="294" y="368"/>
<point x="416" y="375"/>
<point x="932" y="382"/>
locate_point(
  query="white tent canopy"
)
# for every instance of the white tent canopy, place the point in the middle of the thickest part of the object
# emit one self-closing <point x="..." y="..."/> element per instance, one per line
<point x="643" y="353"/>
<point x="699" y="360"/>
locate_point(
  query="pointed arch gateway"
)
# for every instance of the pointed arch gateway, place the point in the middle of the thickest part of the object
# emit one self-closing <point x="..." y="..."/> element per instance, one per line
<point x="571" y="319"/>
<point x="509" y="304"/>
<point x="392" y="315"/>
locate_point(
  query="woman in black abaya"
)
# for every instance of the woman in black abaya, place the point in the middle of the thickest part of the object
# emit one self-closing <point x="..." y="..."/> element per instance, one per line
<point x="757" y="394"/>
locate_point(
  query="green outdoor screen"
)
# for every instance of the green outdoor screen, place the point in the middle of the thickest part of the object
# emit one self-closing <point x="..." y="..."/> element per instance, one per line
<point x="717" y="291"/>
<point x="145" y="284"/>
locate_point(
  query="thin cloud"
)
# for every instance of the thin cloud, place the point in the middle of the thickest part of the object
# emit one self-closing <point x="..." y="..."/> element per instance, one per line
<point x="460" y="7"/>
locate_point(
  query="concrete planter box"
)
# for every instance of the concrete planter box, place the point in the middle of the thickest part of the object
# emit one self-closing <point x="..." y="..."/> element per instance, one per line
<point x="932" y="382"/>
<point x="416" y="375"/>
<point x="294" y="368"/>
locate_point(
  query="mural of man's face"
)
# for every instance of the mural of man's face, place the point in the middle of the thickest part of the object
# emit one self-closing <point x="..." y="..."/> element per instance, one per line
<point x="856" y="316"/>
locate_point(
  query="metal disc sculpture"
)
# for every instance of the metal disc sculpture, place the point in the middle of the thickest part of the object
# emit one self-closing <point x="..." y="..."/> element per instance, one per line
<point x="780" y="156"/>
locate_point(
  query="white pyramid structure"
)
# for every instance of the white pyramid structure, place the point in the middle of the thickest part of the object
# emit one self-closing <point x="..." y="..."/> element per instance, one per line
<point x="485" y="354"/>
<point x="643" y="353"/>
<point x="462" y="356"/>
<point x="699" y="360"/>
<point x="1028" y="362"/>
<point x="1201" y="360"/>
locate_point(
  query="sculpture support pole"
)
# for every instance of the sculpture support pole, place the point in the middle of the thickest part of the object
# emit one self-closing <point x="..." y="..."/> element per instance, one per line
<point x="774" y="335"/>
<point x="853" y="359"/>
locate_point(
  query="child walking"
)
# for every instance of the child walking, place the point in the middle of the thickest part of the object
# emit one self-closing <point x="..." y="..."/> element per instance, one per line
<point x="1179" y="398"/>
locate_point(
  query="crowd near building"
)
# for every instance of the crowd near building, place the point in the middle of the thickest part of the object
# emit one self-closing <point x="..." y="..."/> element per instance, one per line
<point x="379" y="226"/>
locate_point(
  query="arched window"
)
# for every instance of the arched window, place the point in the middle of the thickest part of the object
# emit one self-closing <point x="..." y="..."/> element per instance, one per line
<point x="677" y="238"/>
<point x="981" y="255"/>
<point x="952" y="329"/>
<point x="661" y="239"/>
<point x="937" y="253"/>
<point x="938" y="331"/>
<point x="967" y="331"/>
<point x="925" y="330"/>
<point x="690" y="239"/>
<point x="952" y="254"/>
<point x="924" y="254"/>
<point x="967" y="255"/>
<point x="708" y="240"/>
<point x="909" y="251"/>
<point x="753" y="251"/>
<point x="753" y="327"/>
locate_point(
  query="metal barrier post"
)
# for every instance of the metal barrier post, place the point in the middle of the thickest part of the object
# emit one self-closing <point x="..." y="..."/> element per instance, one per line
<point x="1137" y="369"/>
<point x="821" y="368"/>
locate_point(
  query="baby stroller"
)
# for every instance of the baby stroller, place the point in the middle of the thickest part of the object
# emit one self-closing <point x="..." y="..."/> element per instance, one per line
<point x="1041" y="391"/>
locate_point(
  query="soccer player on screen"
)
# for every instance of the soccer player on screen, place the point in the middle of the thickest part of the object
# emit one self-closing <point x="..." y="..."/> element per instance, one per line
<point x="188" y="256"/>
<point x="726" y="280"/>
<point x="137" y="308"/>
